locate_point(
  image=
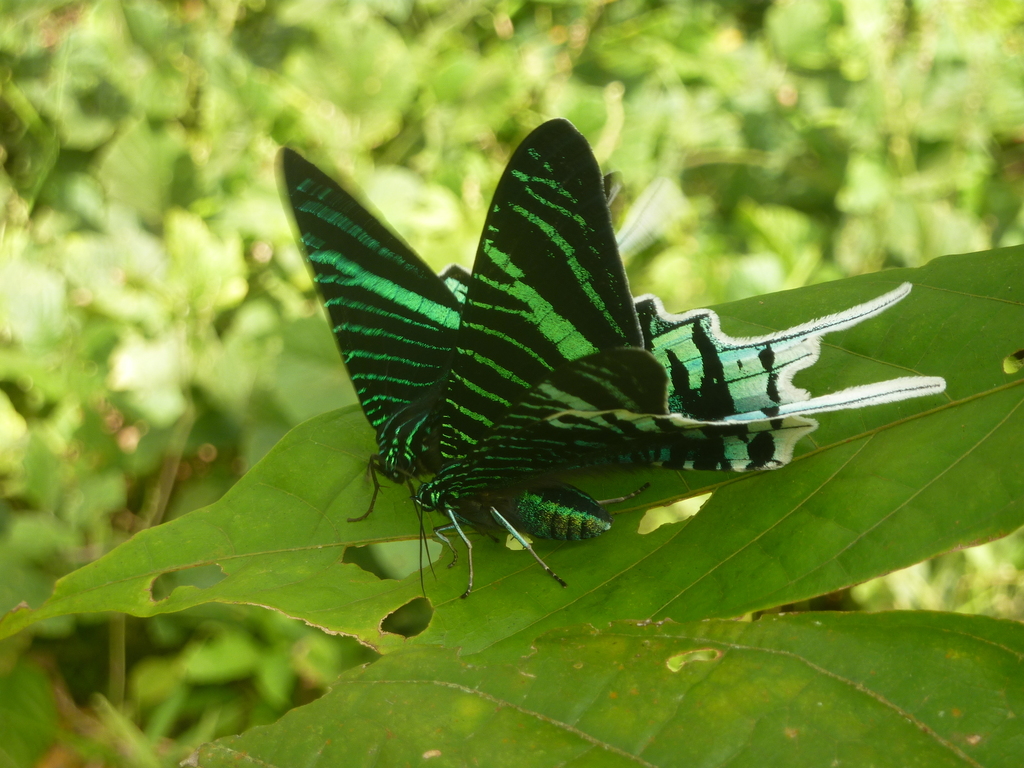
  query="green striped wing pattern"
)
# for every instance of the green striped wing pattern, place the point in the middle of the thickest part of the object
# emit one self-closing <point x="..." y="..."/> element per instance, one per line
<point x="547" y="287"/>
<point x="395" y="321"/>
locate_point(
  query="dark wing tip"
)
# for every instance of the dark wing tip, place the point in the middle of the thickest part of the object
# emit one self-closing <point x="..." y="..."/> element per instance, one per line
<point x="294" y="167"/>
<point x="555" y="125"/>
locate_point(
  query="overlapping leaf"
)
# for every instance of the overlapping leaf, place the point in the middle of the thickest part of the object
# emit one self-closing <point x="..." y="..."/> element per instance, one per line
<point x="893" y="689"/>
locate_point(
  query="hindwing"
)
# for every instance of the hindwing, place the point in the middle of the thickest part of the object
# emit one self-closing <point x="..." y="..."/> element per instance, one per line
<point x="610" y="407"/>
<point x="716" y="376"/>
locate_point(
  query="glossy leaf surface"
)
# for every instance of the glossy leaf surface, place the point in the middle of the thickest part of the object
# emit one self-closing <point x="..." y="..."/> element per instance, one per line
<point x="894" y="689"/>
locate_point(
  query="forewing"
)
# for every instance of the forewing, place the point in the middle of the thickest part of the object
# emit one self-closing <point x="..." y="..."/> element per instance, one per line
<point x="394" y="319"/>
<point x="547" y="287"/>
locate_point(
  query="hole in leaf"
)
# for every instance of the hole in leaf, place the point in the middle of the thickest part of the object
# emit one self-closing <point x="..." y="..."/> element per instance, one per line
<point x="680" y="660"/>
<point x="409" y="620"/>
<point x="392" y="559"/>
<point x="198" y="576"/>
<point x="1013" y="363"/>
<point x="363" y="557"/>
<point x="673" y="513"/>
<point x="401" y="558"/>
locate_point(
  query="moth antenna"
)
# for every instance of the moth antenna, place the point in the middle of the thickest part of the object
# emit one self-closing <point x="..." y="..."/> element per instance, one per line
<point x="515" y="534"/>
<point x="423" y="539"/>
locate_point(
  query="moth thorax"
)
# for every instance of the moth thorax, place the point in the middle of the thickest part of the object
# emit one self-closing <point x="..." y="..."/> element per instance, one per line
<point x="409" y="439"/>
<point x="429" y="497"/>
<point x="395" y="464"/>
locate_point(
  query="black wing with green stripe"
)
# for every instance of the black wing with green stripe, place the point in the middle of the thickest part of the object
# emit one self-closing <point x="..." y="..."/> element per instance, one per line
<point x="395" y="321"/>
<point x="530" y="441"/>
<point x="547" y="287"/>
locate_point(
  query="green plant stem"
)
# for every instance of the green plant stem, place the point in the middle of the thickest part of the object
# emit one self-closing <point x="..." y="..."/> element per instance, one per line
<point x="158" y="498"/>
<point x="116" y="682"/>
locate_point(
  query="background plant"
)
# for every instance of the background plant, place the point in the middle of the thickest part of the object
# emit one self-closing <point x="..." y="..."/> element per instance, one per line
<point x="159" y="332"/>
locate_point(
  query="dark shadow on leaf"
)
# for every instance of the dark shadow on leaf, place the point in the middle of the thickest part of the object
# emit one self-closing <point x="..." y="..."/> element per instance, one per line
<point x="840" y="600"/>
<point x="364" y="558"/>
<point x="392" y="559"/>
<point x="199" y="576"/>
<point x="409" y="620"/>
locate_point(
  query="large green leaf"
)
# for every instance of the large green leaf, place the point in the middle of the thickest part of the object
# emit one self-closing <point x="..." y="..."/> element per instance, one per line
<point x="877" y="490"/>
<point x="896" y="689"/>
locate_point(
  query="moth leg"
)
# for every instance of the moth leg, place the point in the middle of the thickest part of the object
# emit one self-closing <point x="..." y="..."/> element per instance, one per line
<point x="516" y="535"/>
<point x="627" y="497"/>
<point x="454" y="526"/>
<point x="371" y="469"/>
<point x="447" y="542"/>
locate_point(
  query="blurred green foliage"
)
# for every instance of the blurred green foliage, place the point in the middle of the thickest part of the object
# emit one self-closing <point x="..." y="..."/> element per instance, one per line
<point x="158" y="331"/>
